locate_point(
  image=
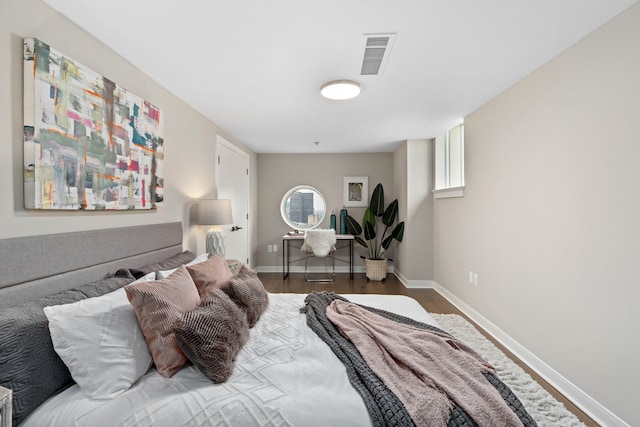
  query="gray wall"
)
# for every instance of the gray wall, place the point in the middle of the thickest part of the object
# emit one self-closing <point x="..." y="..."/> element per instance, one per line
<point x="190" y="138"/>
<point x="278" y="173"/>
<point x="549" y="219"/>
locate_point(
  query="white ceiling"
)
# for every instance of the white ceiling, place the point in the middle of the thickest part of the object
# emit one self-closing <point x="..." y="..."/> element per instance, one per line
<point x="255" y="67"/>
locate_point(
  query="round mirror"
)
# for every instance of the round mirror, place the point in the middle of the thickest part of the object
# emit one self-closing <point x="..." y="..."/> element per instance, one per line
<point x="303" y="207"/>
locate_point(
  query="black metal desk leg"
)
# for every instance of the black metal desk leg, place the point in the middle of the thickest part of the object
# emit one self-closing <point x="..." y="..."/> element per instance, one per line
<point x="351" y="259"/>
<point x="285" y="254"/>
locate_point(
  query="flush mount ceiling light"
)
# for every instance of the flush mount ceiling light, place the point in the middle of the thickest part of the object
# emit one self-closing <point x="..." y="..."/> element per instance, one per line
<point x="340" y="89"/>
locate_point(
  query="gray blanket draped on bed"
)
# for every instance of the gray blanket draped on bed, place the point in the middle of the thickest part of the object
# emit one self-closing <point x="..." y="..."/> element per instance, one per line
<point x="384" y="406"/>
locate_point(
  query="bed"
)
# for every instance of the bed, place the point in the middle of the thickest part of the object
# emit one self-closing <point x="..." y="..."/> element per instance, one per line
<point x="285" y="369"/>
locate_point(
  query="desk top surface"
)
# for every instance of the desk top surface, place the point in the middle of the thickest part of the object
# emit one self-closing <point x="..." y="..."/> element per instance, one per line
<point x="300" y="236"/>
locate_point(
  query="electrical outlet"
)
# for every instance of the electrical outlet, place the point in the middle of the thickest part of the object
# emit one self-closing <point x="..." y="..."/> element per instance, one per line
<point x="475" y="279"/>
<point x="471" y="277"/>
<point x="275" y="248"/>
<point x="269" y="248"/>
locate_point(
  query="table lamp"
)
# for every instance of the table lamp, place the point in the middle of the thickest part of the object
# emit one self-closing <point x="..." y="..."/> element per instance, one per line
<point x="215" y="212"/>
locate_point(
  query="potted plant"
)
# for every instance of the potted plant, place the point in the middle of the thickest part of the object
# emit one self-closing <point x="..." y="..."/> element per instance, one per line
<point x="375" y="242"/>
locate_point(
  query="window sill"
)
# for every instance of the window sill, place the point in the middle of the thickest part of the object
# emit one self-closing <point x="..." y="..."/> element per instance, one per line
<point x="445" y="193"/>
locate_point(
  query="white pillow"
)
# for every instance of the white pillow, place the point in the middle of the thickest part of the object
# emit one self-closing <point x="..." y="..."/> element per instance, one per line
<point x="166" y="273"/>
<point x="101" y="343"/>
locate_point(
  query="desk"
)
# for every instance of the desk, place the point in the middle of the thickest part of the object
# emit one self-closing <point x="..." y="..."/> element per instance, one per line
<point x="286" y="256"/>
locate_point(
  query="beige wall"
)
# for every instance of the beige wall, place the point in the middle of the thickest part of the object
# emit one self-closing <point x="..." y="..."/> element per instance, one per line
<point x="277" y="173"/>
<point x="400" y="177"/>
<point x="413" y="182"/>
<point x="549" y="220"/>
<point x="190" y="138"/>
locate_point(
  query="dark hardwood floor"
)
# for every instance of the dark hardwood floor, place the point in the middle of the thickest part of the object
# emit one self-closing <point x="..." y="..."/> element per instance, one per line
<point x="430" y="299"/>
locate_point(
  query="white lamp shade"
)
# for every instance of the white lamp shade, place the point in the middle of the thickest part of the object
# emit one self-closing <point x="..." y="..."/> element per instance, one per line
<point x="215" y="212"/>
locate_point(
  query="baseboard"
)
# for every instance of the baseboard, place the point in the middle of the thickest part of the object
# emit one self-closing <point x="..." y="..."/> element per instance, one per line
<point x="268" y="269"/>
<point x="415" y="284"/>
<point x="586" y="403"/>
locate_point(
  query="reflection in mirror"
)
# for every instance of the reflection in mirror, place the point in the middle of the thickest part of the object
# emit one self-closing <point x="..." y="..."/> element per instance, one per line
<point x="303" y="207"/>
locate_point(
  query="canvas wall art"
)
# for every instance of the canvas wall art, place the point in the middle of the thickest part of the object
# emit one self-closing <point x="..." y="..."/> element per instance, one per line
<point x="89" y="144"/>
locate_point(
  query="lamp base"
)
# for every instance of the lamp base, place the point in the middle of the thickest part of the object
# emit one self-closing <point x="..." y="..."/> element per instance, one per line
<point x="215" y="242"/>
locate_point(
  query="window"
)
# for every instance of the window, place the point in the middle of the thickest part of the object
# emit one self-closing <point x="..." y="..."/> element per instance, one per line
<point x="449" y="163"/>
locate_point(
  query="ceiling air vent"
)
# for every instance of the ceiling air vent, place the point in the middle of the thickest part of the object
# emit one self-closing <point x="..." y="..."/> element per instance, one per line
<point x="376" y="50"/>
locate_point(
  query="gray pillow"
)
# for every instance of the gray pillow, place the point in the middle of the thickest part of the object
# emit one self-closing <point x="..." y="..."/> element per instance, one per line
<point x="247" y="291"/>
<point x="28" y="363"/>
<point x="212" y="334"/>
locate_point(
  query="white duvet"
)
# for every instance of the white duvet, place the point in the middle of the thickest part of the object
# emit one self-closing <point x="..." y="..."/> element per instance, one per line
<point x="284" y="376"/>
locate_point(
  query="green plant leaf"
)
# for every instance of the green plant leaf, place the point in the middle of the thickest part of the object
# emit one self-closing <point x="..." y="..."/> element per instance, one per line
<point x="369" y="231"/>
<point x="390" y="213"/>
<point x="361" y="241"/>
<point x="352" y="226"/>
<point x="368" y="217"/>
<point x="398" y="232"/>
<point x="377" y="201"/>
<point x="387" y="242"/>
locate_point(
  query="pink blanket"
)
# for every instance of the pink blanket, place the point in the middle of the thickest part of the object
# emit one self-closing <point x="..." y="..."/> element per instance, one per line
<point x="425" y="369"/>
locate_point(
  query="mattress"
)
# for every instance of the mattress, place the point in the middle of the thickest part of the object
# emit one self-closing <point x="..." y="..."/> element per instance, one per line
<point x="284" y="376"/>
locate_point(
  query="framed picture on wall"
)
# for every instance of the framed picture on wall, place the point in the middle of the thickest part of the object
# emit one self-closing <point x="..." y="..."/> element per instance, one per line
<point x="355" y="191"/>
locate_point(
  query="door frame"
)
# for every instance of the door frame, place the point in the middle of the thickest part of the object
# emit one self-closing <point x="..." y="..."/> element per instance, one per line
<point x="220" y="140"/>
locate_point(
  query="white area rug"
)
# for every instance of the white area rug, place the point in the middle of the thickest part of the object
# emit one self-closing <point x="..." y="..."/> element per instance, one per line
<point x="541" y="405"/>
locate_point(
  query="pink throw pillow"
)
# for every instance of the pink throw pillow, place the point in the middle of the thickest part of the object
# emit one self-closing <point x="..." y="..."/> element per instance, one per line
<point x="210" y="275"/>
<point x="157" y="305"/>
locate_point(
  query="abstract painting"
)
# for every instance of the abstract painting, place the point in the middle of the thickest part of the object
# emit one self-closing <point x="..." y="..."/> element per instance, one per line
<point x="89" y="144"/>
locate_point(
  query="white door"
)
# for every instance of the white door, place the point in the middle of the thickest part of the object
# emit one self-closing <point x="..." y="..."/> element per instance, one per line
<point x="233" y="183"/>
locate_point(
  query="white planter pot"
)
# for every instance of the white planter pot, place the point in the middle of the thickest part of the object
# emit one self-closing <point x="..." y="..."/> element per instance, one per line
<point x="376" y="269"/>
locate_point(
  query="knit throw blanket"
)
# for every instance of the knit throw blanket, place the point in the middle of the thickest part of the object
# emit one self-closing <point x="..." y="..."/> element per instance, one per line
<point x="409" y="373"/>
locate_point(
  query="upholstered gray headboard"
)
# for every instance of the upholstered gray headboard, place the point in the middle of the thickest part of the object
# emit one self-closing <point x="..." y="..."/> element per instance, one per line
<point x="37" y="266"/>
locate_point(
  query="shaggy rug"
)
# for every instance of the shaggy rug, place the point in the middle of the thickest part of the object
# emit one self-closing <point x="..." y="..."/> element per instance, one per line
<point x="542" y="406"/>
